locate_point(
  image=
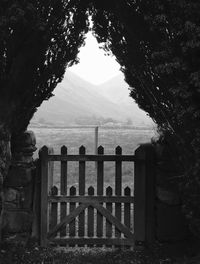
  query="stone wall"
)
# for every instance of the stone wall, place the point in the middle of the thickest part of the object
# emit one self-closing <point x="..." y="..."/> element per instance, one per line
<point x="19" y="188"/>
<point x="170" y="221"/>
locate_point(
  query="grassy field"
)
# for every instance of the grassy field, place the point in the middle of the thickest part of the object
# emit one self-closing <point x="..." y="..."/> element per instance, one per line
<point x="128" y="138"/>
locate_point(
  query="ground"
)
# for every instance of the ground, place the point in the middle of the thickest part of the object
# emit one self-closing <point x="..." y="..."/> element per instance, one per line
<point x="36" y="255"/>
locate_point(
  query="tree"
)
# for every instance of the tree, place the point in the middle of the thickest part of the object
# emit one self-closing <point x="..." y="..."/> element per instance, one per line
<point x="158" y="45"/>
<point x="38" y="40"/>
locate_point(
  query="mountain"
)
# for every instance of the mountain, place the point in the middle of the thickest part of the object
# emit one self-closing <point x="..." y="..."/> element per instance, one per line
<point x="117" y="91"/>
<point x="77" y="101"/>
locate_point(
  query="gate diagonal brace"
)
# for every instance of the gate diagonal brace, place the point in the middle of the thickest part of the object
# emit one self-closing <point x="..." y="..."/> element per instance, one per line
<point x="122" y="228"/>
<point x="67" y="219"/>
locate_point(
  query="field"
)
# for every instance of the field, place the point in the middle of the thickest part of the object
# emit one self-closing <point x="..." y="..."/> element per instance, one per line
<point x="128" y="138"/>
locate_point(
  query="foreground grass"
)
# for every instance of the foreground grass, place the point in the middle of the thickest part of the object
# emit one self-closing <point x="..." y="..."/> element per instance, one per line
<point x="22" y="255"/>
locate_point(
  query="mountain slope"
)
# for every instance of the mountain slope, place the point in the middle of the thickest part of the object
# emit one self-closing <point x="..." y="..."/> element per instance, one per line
<point x="76" y="100"/>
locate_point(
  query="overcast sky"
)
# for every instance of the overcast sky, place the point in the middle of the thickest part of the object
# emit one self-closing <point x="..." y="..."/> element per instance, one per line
<point x="94" y="66"/>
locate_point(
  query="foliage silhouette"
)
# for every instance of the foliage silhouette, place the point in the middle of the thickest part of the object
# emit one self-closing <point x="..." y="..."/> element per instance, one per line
<point x="156" y="43"/>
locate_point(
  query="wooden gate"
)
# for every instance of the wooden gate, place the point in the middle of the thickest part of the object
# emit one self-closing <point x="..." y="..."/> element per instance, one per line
<point x="76" y="216"/>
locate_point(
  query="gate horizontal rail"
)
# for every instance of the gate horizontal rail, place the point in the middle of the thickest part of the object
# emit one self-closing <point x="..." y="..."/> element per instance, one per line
<point x="87" y="199"/>
<point x="129" y="158"/>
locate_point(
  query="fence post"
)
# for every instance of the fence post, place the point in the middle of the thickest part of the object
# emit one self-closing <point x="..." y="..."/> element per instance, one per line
<point x="144" y="193"/>
<point x="43" y="154"/>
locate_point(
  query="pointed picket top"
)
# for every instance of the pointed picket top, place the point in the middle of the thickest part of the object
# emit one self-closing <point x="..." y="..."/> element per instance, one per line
<point x="91" y="190"/>
<point x="44" y="151"/>
<point x="100" y="150"/>
<point x="127" y="191"/>
<point x="54" y="190"/>
<point x="64" y="150"/>
<point x="109" y="191"/>
<point x="118" y="150"/>
<point x="82" y="150"/>
<point x="72" y="190"/>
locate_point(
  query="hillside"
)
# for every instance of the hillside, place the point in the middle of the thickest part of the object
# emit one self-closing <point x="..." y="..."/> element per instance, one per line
<point x="117" y="91"/>
<point x="77" y="101"/>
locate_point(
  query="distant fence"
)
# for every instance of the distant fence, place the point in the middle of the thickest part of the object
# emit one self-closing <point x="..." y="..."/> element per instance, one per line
<point x="109" y="217"/>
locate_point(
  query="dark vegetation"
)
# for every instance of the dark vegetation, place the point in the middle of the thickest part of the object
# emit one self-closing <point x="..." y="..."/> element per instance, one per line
<point x="157" y="44"/>
<point x="38" y="255"/>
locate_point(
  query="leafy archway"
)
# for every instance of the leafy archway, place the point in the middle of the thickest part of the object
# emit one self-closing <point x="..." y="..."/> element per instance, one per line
<point x="157" y="45"/>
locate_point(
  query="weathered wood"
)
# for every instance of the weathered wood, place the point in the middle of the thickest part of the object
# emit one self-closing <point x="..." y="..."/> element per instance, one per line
<point x="67" y="219"/>
<point x="129" y="158"/>
<point x="118" y="187"/>
<point x="37" y="200"/>
<point x="53" y="210"/>
<point x="63" y="188"/>
<point x="93" y="241"/>
<point x="91" y="202"/>
<point x="100" y="183"/>
<point x="63" y="185"/>
<point x="144" y="209"/>
<point x="127" y="208"/>
<point x="43" y="154"/>
<point x="140" y="197"/>
<point x="81" y="220"/>
<point x="87" y="199"/>
<point x="109" y="193"/>
<point x="122" y="228"/>
<point x="150" y="164"/>
<point x="72" y="206"/>
<point x="90" y="215"/>
<point x="50" y="169"/>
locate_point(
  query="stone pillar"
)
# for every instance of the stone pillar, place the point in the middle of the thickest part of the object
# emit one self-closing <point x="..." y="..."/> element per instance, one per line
<point x="144" y="195"/>
<point x="19" y="187"/>
<point x="170" y="221"/>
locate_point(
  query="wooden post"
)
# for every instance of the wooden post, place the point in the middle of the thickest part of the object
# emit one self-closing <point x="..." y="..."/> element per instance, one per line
<point x="50" y="169"/>
<point x="96" y="140"/>
<point x="144" y="195"/>
<point x="37" y="200"/>
<point x="43" y="154"/>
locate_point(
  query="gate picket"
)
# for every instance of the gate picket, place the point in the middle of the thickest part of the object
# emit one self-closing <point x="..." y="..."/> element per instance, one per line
<point x="127" y="208"/>
<point x="81" y="222"/>
<point x="90" y="214"/>
<point x="100" y="183"/>
<point x="109" y="193"/>
<point x="72" y="206"/>
<point x="54" y="209"/>
<point x="63" y="188"/>
<point x="118" y="187"/>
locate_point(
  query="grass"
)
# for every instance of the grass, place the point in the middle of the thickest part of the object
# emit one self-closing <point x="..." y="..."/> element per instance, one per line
<point x="18" y="254"/>
<point x="73" y="138"/>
